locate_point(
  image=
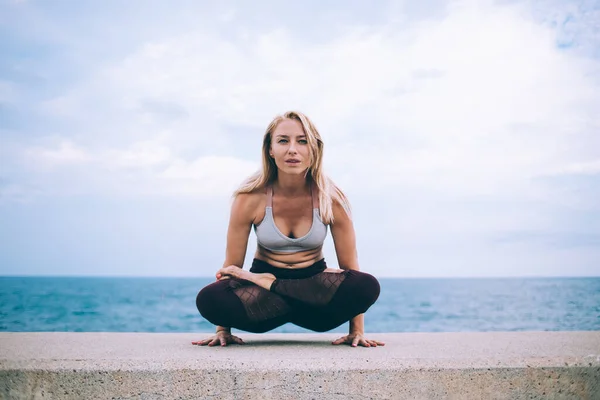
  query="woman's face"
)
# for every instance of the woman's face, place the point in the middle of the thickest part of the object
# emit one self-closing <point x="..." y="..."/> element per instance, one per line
<point x="289" y="147"/>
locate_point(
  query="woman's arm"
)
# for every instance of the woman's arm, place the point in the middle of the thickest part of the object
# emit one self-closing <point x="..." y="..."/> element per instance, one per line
<point x="243" y="213"/>
<point x="344" y="240"/>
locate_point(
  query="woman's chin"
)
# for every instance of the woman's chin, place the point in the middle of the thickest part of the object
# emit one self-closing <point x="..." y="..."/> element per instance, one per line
<point x="293" y="170"/>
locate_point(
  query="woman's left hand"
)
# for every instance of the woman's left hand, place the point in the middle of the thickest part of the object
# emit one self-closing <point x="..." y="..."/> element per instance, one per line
<point x="357" y="339"/>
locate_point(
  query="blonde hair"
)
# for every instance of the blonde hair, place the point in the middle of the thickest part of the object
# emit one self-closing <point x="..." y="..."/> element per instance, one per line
<point x="328" y="191"/>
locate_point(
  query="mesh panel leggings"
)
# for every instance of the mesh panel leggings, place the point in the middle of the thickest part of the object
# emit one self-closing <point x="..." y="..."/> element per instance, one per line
<point x="307" y="297"/>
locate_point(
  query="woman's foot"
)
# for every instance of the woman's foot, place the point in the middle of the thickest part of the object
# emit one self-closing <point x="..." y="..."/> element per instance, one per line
<point x="232" y="271"/>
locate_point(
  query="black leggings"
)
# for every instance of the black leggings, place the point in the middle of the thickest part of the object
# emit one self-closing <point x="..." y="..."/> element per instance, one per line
<point x="307" y="297"/>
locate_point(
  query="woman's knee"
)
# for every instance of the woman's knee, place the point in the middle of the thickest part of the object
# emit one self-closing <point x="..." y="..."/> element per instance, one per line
<point x="209" y="298"/>
<point x="365" y="287"/>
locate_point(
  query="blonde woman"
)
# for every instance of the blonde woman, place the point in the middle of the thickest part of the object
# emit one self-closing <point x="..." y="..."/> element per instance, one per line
<point x="290" y="203"/>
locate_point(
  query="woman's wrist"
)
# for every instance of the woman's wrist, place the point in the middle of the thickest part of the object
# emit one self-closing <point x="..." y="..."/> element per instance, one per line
<point x="223" y="329"/>
<point x="357" y="325"/>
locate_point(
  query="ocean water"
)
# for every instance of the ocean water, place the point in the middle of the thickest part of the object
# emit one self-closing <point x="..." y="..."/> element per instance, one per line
<point x="405" y="305"/>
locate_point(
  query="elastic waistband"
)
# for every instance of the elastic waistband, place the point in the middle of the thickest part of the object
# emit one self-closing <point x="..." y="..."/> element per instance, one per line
<point x="261" y="267"/>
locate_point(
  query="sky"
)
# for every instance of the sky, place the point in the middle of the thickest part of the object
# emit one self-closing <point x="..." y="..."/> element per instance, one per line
<point x="465" y="133"/>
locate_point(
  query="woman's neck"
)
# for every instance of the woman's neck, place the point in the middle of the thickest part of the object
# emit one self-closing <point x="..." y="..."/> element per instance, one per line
<point x="291" y="185"/>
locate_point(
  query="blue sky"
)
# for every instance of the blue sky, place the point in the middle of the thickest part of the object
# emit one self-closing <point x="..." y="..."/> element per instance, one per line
<point x="466" y="133"/>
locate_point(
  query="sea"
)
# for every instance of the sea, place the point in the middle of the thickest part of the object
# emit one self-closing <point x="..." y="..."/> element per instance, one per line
<point x="81" y="304"/>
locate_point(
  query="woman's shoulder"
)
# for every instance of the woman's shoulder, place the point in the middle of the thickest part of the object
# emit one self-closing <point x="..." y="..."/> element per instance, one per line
<point x="340" y="205"/>
<point x="252" y="198"/>
<point x="249" y="206"/>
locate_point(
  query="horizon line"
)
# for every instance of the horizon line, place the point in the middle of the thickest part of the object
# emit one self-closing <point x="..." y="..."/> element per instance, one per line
<point x="379" y="277"/>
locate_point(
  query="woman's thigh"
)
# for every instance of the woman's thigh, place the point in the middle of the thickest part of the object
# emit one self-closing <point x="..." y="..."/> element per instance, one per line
<point x="354" y="296"/>
<point x="242" y="305"/>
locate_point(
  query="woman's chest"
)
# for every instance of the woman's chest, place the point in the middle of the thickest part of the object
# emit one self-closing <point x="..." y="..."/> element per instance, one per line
<point x="293" y="218"/>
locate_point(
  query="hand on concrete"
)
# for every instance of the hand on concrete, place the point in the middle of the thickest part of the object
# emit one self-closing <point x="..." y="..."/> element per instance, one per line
<point x="221" y="337"/>
<point x="357" y="339"/>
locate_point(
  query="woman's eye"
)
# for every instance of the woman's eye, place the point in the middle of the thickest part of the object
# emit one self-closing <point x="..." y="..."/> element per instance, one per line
<point x="302" y="141"/>
<point x="282" y="141"/>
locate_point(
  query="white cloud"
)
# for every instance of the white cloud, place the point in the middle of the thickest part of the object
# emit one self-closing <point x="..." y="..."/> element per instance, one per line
<point x="139" y="155"/>
<point x="8" y="92"/>
<point x="208" y="176"/>
<point x="66" y="153"/>
<point x="451" y="123"/>
<point x="582" y="168"/>
<point x="476" y="103"/>
<point x="228" y="16"/>
<point x="146" y="168"/>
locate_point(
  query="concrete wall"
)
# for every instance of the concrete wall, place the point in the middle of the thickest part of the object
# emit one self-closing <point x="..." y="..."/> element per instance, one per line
<point x="499" y="365"/>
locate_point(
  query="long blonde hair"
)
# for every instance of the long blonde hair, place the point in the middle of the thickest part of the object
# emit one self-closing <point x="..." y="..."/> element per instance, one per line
<point x="328" y="191"/>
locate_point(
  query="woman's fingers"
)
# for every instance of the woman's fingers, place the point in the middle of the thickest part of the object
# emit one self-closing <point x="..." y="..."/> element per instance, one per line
<point x="226" y="273"/>
<point x="373" y="343"/>
<point x="340" y="340"/>
<point x="238" y="340"/>
<point x="358" y="340"/>
<point x="219" y="339"/>
<point x="352" y="340"/>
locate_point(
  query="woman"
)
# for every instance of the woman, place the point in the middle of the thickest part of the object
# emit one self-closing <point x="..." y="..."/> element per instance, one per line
<point x="290" y="203"/>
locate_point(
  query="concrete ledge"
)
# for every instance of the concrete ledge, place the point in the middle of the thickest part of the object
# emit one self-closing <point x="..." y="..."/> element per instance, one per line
<point x="499" y="365"/>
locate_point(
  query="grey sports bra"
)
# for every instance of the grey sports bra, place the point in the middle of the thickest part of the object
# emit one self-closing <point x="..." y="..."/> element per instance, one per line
<point x="271" y="238"/>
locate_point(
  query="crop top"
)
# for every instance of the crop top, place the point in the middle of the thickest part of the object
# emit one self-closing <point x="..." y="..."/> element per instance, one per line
<point x="271" y="238"/>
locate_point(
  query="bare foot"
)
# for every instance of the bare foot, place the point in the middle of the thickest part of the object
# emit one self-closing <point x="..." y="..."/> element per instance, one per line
<point x="262" y="280"/>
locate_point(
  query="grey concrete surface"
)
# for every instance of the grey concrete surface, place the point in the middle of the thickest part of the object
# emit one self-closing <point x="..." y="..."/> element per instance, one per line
<point x="494" y="365"/>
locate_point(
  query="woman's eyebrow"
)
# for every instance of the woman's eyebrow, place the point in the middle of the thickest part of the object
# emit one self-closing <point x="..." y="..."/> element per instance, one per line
<point x="281" y="135"/>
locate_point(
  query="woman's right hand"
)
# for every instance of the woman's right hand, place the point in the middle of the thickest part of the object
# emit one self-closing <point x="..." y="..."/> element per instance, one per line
<point x="222" y="337"/>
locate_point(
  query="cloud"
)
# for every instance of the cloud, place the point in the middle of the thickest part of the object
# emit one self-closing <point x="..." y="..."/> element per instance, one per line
<point x="8" y="92"/>
<point x="451" y="124"/>
<point x="208" y="176"/>
<point x="476" y="103"/>
<point x="65" y="154"/>
<point x="139" y="155"/>
<point x="146" y="168"/>
<point x="582" y="168"/>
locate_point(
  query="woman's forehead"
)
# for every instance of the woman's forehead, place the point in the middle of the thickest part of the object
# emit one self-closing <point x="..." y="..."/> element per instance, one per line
<point x="289" y="127"/>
